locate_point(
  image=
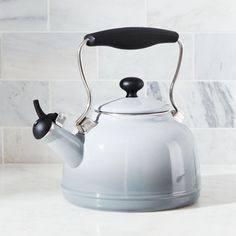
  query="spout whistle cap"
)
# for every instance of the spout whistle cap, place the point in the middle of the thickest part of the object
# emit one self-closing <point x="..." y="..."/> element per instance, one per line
<point x="44" y="123"/>
<point x="41" y="127"/>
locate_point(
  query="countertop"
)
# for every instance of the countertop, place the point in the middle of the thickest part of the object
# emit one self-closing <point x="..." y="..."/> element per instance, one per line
<point x="31" y="203"/>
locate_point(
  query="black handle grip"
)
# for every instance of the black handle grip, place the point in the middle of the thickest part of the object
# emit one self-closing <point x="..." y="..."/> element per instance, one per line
<point x="131" y="37"/>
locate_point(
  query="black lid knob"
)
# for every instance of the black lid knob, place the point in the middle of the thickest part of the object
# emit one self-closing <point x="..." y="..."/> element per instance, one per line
<point x="131" y="85"/>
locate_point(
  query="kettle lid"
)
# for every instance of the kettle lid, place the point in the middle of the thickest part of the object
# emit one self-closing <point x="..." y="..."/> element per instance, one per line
<point x="132" y="104"/>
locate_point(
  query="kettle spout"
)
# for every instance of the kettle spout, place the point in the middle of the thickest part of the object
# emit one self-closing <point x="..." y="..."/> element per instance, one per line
<point x="68" y="147"/>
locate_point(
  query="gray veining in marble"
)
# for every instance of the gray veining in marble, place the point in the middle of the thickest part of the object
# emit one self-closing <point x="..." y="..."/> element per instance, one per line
<point x="216" y="146"/>
<point x="94" y="15"/>
<point x="215" y="56"/>
<point x="195" y="15"/>
<point x="26" y="148"/>
<point x="204" y="104"/>
<point x="16" y="101"/>
<point x="45" y="56"/>
<point x="69" y="97"/>
<point x="23" y="15"/>
<point x="153" y="63"/>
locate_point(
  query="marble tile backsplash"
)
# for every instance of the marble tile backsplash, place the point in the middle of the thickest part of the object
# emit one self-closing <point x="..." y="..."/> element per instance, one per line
<point x="42" y="56"/>
<point x="216" y="146"/>
<point x="194" y="16"/>
<point x="23" y="15"/>
<point x="80" y="15"/>
<point x="204" y="104"/>
<point x="16" y="98"/>
<point x="38" y="45"/>
<point x="215" y="56"/>
<point x="21" y="147"/>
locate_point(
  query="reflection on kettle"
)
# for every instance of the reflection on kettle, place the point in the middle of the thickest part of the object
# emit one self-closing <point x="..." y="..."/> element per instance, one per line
<point x="132" y="153"/>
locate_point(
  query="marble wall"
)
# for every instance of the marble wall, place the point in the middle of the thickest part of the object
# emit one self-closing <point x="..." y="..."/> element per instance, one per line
<point x="38" y="42"/>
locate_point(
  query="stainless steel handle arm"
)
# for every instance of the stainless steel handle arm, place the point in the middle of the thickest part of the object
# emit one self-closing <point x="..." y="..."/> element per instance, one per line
<point x="88" y="90"/>
<point x="171" y="89"/>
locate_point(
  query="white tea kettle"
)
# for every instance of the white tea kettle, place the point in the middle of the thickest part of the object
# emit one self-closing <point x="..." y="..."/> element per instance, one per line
<point x="132" y="153"/>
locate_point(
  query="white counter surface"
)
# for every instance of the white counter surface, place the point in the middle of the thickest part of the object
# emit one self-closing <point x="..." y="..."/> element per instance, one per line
<point x="31" y="203"/>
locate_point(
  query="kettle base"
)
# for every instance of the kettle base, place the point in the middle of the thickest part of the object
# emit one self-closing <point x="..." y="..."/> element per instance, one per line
<point x="132" y="204"/>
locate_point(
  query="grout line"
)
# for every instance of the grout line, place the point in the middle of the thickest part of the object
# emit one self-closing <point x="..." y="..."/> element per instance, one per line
<point x="16" y="127"/>
<point x="211" y="166"/>
<point x="2" y="57"/>
<point x="211" y="32"/>
<point x="50" y="95"/>
<point x="214" y="128"/>
<point x="97" y="64"/>
<point x="49" y="164"/>
<point x="193" y="59"/>
<point x="1" y="49"/>
<point x="145" y="88"/>
<point x="195" y="81"/>
<point x="116" y="80"/>
<point x="146" y="12"/>
<point x="48" y="15"/>
<point x="94" y="30"/>
<point x="33" y="164"/>
<point x="48" y="32"/>
<point x="2" y="143"/>
<point x="192" y="128"/>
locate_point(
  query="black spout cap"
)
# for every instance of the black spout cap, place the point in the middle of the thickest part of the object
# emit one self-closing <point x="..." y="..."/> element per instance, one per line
<point x="41" y="127"/>
<point x="44" y="123"/>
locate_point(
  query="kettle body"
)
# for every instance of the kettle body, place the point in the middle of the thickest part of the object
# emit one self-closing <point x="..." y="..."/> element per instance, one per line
<point x="129" y="154"/>
<point x="135" y="164"/>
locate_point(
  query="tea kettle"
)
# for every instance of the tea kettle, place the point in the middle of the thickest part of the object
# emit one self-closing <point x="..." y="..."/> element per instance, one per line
<point x="131" y="153"/>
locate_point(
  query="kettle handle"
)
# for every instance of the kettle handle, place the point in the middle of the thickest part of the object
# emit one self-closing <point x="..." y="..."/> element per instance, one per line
<point x="131" y="38"/>
<point x="164" y="37"/>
